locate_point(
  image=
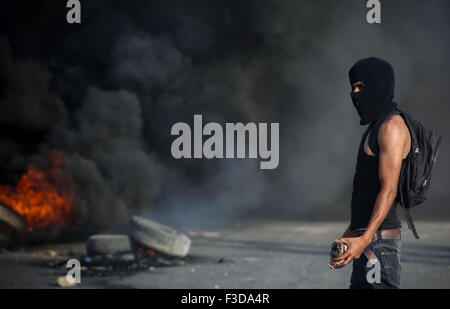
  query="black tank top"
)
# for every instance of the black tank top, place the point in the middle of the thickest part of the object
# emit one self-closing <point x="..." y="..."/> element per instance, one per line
<point x="366" y="185"/>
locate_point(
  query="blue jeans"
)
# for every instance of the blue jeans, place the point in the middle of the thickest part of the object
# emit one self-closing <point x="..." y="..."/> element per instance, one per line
<point x="387" y="252"/>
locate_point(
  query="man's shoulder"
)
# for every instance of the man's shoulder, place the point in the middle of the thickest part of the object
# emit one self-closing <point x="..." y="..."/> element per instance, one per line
<point x="393" y="129"/>
<point x="394" y="124"/>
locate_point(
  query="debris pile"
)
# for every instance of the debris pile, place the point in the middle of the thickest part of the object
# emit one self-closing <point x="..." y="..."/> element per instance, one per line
<point x="147" y="245"/>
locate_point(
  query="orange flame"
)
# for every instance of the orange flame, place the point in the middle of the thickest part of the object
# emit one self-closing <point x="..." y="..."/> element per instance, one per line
<point x="39" y="197"/>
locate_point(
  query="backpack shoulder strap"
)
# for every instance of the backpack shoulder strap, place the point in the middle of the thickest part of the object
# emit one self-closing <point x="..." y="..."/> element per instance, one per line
<point x="410" y="222"/>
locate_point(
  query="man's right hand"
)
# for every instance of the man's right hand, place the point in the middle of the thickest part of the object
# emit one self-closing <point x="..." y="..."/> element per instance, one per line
<point x="347" y="233"/>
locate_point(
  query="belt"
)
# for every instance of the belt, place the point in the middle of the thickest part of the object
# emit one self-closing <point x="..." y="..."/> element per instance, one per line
<point x="381" y="234"/>
<point x="387" y="234"/>
<point x="384" y="234"/>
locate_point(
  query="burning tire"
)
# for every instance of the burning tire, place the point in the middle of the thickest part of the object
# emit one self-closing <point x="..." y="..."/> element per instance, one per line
<point x="104" y="244"/>
<point x="12" y="220"/>
<point x="159" y="237"/>
<point x="12" y="226"/>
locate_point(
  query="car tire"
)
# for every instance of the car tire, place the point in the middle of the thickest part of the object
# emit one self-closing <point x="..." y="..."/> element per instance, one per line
<point x="159" y="237"/>
<point x="11" y="219"/>
<point x="104" y="244"/>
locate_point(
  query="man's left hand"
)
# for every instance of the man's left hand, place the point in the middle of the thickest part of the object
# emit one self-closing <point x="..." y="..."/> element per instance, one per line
<point x="356" y="246"/>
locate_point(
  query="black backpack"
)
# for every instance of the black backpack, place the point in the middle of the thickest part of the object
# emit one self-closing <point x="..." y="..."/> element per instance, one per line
<point x="416" y="172"/>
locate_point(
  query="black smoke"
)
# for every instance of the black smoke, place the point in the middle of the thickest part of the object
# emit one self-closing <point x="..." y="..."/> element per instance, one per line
<point x="106" y="93"/>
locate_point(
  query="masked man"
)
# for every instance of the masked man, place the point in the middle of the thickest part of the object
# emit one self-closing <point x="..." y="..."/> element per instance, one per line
<point x="373" y="236"/>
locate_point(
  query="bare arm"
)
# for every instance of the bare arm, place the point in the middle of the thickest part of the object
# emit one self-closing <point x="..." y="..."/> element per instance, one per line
<point x="392" y="138"/>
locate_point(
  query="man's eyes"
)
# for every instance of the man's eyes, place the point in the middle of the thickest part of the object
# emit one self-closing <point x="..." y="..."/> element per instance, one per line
<point x="359" y="86"/>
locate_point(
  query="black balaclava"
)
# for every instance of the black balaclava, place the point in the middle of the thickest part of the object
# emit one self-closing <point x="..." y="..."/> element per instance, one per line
<point x="375" y="98"/>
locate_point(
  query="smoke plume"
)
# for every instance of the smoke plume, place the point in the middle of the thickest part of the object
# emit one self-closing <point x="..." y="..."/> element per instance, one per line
<point x="106" y="93"/>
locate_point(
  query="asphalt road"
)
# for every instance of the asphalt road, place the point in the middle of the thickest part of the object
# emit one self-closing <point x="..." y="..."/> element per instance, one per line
<point x="259" y="254"/>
